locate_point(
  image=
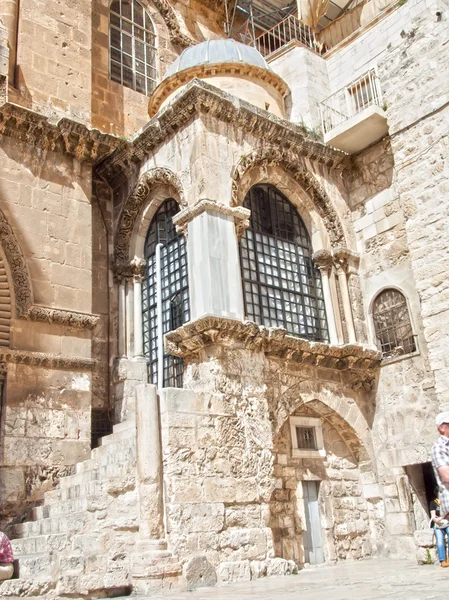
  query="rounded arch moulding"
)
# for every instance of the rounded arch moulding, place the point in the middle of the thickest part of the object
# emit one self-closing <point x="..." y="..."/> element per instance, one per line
<point x="133" y="208"/>
<point x="295" y="167"/>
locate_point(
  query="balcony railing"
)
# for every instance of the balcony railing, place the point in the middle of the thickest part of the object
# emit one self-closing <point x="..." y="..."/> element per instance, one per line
<point x="288" y="30"/>
<point x="350" y="101"/>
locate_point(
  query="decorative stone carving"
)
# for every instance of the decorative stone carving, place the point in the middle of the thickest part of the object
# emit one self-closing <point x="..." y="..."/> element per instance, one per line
<point x="195" y="336"/>
<point x="51" y="361"/>
<point x="240" y="215"/>
<point x="174" y="30"/>
<point x="346" y="259"/>
<point x="67" y="136"/>
<point x="18" y="267"/>
<point x="131" y="210"/>
<point x="22" y="288"/>
<point x="293" y="163"/>
<point x="322" y="259"/>
<point x="57" y="316"/>
<point x="199" y="97"/>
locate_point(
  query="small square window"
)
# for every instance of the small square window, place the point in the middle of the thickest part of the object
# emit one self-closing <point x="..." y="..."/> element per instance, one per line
<point x="307" y="437"/>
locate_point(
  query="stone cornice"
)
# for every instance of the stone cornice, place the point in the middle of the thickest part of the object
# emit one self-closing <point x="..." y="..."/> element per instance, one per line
<point x="239" y="214"/>
<point x="66" y="136"/>
<point x="50" y="361"/>
<point x="177" y="80"/>
<point x="57" y="316"/>
<point x="201" y="98"/>
<point x="358" y="363"/>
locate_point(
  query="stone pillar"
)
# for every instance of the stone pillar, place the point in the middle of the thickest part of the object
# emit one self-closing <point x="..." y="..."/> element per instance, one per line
<point x="9" y="17"/>
<point x="138" y="274"/>
<point x="214" y="263"/>
<point x="341" y="257"/>
<point x="323" y="260"/>
<point x="149" y="469"/>
<point x="129" y="317"/>
<point x="122" y="318"/>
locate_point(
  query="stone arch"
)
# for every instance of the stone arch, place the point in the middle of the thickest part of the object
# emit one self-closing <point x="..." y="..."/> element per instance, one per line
<point x="23" y="295"/>
<point x="135" y="206"/>
<point x="344" y="407"/>
<point x="296" y="167"/>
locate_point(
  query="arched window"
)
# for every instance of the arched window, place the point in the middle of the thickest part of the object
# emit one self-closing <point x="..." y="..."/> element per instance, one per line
<point x="281" y="285"/>
<point x="132" y="46"/>
<point x="394" y="333"/>
<point x="175" y="290"/>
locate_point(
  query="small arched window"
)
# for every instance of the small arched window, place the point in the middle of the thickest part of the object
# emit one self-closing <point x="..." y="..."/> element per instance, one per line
<point x="132" y="46"/>
<point x="175" y="291"/>
<point x="281" y="285"/>
<point x="393" y="328"/>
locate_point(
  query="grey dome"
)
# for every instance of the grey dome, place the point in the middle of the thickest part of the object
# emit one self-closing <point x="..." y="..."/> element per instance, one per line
<point x="215" y="52"/>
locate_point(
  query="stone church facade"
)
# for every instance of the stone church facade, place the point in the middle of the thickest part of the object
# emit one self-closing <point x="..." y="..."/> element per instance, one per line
<point x="223" y="297"/>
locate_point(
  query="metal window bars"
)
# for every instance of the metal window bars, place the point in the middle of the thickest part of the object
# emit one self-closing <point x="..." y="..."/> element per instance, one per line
<point x="350" y="100"/>
<point x="132" y="46"/>
<point x="306" y="438"/>
<point x="281" y="285"/>
<point x="284" y="32"/>
<point x="394" y="334"/>
<point x="174" y="292"/>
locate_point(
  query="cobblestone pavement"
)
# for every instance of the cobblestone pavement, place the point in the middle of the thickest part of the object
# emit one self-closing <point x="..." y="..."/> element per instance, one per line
<point x="364" y="580"/>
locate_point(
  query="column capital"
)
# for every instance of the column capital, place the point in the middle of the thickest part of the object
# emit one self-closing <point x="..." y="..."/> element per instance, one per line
<point x="346" y="260"/>
<point x="323" y="260"/>
<point x="239" y="213"/>
<point x="138" y="269"/>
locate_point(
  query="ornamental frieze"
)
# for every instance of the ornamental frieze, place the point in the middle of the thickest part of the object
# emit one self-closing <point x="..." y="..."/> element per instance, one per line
<point x="51" y="361"/>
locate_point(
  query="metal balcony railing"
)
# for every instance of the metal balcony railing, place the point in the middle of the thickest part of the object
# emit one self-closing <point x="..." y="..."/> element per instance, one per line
<point x="350" y="100"/>
<point x="284" y="32"/>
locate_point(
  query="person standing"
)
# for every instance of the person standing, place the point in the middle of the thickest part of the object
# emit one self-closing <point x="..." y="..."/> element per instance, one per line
<point x="440" y="463"/>
<point x="6" y="558"/>
<point x="440" y="528"/>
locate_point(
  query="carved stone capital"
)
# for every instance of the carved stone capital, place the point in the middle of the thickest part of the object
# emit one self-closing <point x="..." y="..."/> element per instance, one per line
<point x="239" y="214"/>
<point x="138" y="269"/>
<point x="323" y="260"/>
<point x="346" y="260"/>
<point x="193" y="338"/>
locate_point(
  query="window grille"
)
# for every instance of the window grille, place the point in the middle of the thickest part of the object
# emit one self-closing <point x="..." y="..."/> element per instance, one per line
<point x="175" y="291"/>
<point x="101" y="425"/>
<point x="132" y="46"/>
<point x="306" y="438"/>
<point x="392" y="324"/>
<point x="281" y="285"/>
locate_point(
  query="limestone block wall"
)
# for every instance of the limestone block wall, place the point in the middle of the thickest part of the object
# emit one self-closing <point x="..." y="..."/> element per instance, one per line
<point x="51" y="381"/>
<point x="345" y="518"/>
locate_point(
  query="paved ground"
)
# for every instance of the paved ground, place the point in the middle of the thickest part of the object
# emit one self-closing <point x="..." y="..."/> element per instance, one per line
<point x="364" y="580"/>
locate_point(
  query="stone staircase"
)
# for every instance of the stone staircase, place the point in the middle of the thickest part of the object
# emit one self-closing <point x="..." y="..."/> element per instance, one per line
<point x="84" y="538"/>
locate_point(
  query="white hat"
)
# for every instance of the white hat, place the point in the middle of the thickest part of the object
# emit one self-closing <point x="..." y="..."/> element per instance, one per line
<point x="442" y="417"/>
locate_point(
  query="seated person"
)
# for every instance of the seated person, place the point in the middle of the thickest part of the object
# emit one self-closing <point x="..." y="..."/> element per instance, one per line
<point x="6" y="558"/>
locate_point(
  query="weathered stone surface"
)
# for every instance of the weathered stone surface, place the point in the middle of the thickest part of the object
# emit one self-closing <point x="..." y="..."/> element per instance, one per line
<point x="198" y="572"/>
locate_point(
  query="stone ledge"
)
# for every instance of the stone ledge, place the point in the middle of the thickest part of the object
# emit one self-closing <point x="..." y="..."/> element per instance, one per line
<point x="51" y="361"/>
<point x="57" y="316"/>
<point x="199" y="97"/>
<point x="240" y="215"/>
<point x="67" y="136"/>
<point x="207" y="331"/>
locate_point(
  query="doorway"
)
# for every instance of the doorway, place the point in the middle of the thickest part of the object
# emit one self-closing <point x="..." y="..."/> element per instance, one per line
<point x="313" y="541"/>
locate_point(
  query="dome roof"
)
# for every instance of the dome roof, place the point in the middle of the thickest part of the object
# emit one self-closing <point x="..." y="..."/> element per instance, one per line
<point x="215" y="52"/>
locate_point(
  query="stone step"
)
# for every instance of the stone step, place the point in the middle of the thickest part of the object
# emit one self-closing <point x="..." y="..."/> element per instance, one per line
<point x="90" y="488"/>
<point x="34" y="565"/>
<point x="67" y="507"/>
<point x="131" y="424"/>
<point x="113" y="446"/>
<point x="120" y="455"/>
<point x="114" y="438"/>
<point x="73" y="523"/>
<point x="102" y="472"/>
<point x="40" y="544"/>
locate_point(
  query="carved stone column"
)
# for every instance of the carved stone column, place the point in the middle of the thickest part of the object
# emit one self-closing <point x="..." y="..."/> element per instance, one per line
<point x="122" y="318"/>
<point x="138" y="274"/>
<point x="213" y="231"/>
<point x="342" y="257"/>
<point x="323" y="260"/>
<point x="129" y="317"/>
